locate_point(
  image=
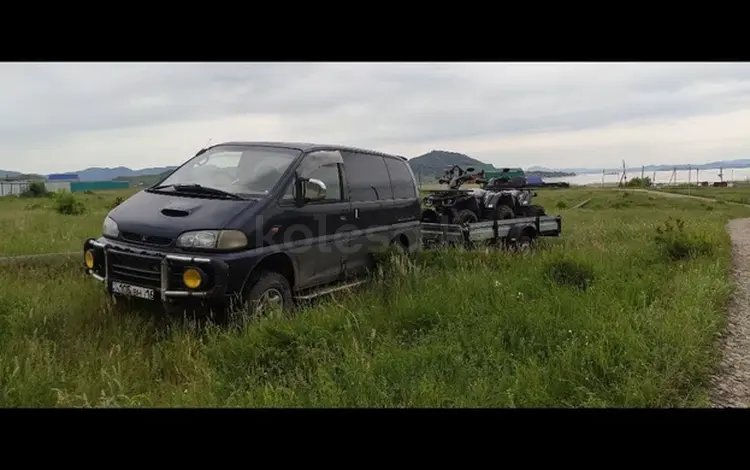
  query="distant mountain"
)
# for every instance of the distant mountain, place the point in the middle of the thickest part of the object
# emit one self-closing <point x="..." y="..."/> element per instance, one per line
<point x="14" y="175"/>
<point x="433" y="164"/>
<point x="143" y="180"/>
<point x="9" y="174"/>
<point x="549" y="173"/>
<point x="739" y="163"/>
<point x="429" y="166"/>
<point x="108" y="174"/>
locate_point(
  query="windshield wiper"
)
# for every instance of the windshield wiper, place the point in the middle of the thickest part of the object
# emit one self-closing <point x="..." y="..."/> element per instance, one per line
<point x="197" y="189"/>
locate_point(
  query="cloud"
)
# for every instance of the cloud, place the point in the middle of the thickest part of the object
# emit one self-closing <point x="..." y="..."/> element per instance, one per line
<point x="68" y="116"/>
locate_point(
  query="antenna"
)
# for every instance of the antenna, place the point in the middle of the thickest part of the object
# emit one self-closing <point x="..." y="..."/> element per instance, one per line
<point x="203" y="150"/>
<point x="208" y="143"/>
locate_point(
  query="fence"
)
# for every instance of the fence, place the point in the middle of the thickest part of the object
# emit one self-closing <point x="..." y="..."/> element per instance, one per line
<point x="8" y="188"/>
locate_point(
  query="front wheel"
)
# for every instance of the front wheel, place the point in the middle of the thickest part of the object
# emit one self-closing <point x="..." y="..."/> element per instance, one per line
<point x="466" y="216"/>
<point x="269" y="293"/>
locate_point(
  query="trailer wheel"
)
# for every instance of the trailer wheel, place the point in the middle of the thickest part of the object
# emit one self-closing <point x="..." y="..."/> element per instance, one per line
<point x="524" y="243"/>
<point x="466" y="216"/>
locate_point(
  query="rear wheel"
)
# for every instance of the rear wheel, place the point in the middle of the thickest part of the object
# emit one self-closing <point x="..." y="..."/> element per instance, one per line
<point x="503" y="212"/>
<point x="536" y="211"/>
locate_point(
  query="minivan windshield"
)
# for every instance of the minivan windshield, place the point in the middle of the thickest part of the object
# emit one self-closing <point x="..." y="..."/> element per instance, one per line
<point x="234" y="170"/>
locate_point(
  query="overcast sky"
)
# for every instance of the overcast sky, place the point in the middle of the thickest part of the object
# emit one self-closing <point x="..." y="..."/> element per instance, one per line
<point x="70" y="116"/>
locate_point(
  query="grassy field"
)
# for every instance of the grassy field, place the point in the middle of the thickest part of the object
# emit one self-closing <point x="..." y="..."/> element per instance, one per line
<point x="613" y="313"/>
<point x="739" y="193"/>
<point x="32" y="225"/>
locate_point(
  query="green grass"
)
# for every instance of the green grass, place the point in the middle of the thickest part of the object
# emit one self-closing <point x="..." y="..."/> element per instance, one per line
<point x="739" y="193"/>
<point x="610" y="314"/>
<point x="32" y="225"/>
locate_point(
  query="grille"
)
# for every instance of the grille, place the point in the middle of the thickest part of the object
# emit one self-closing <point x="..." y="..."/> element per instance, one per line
<point x="141" y="270"/>
<point x="145" y="240"/>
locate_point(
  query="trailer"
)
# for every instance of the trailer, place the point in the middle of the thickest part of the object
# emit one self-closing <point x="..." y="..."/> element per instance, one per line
<point x="520" y="233"/>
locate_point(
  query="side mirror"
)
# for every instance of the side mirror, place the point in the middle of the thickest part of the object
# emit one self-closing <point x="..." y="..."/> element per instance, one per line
<point x="313" y="190"/>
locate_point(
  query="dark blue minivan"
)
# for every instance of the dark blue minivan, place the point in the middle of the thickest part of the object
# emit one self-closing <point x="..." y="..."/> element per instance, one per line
<point x="263" y="223"/>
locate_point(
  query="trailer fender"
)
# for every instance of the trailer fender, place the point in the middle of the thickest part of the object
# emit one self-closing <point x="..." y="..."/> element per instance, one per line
<point x="522" y="229"/>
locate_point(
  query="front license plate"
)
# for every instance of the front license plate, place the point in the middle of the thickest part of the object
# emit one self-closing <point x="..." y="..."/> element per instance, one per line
<point x="132" y="291"/>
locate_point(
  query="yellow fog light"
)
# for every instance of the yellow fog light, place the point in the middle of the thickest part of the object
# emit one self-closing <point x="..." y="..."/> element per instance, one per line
<point x="192" y="278"/>
<point x="88" y="257"/>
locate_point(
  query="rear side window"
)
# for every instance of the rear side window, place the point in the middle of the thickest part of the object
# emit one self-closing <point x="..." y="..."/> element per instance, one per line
<point x="402" y="181"/>
<point x="367" y="176"/>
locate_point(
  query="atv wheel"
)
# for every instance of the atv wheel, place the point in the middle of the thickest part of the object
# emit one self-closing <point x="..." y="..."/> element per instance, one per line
<point x="503" y="212"/>
<point x="466" y="216"/>
<point x="430" y="216"/>
<point x="536" y="211"/>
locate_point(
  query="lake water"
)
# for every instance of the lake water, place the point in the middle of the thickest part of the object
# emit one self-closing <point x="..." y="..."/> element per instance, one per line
<point x="658" y="177"/>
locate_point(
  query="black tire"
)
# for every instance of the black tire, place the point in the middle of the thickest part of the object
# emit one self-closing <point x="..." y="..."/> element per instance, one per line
<point x="466" y="216"/>
<point x="263" y="284"/>
<point x="430" y="216"/>
<point x="503" y="212"/>
<point x="522" y="244"/>
<point x="536" y="211"/>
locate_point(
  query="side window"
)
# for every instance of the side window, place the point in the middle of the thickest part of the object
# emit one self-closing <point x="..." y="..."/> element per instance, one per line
<point x="401" y="179"/>
<point x="330" y="175"/>
<point x="367" y="177"/>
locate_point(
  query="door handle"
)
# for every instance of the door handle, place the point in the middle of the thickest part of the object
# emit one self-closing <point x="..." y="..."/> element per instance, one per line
<point x="356" y="213"/>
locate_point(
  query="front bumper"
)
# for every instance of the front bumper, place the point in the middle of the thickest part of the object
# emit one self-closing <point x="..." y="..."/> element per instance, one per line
<point x="155" y="270"/>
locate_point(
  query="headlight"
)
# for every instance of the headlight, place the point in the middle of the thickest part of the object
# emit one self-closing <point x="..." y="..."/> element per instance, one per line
<point x="110" y="229"/>
<point x="213" y="239"/>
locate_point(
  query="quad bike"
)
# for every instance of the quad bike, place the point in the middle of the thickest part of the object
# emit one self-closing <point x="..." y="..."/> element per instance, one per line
<point x="503" y="198"/>
<point x="498" y="199"/>
<point x="454" y="205"/>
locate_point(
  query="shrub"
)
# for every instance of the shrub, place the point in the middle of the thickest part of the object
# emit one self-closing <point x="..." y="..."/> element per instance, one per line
<point x="35" y="189"/>
<point x="676" y="243"/>
<point x="565" y="272"/>
<point x="119" y="200"/>
<point x="561" y="205"/>
<point x="68" y="204"/>
<point x="638" y="182"/>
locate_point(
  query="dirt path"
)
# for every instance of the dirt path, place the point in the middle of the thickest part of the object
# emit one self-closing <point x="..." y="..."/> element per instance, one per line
<point x="731" y="386"/>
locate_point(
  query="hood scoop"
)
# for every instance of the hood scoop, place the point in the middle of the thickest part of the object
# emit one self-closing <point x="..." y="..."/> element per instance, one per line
<point x="179" y="210"/>
<point x="174" y="212"/>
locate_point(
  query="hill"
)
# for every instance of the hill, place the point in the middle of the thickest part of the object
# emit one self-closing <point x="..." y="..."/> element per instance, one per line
<point x="15" y="175"/>
<point x="143" y="180"/>
<point x="107" y="174"/>
<point x="433" y="164"/>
